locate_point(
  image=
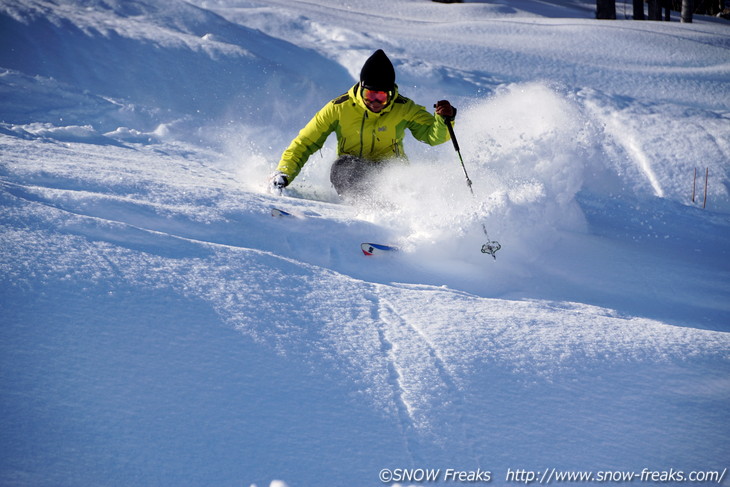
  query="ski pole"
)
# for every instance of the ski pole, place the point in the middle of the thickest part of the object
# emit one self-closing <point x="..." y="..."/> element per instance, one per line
<point x="492" y="246"/>
<point x="458" y="151"/>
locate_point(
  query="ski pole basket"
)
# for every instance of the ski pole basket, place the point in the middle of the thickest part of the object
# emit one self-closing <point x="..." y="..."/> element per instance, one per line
<point x="491" y="248"/>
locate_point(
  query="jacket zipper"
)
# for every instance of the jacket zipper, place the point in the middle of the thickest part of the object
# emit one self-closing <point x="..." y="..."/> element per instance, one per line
<point x="362" y="132"/>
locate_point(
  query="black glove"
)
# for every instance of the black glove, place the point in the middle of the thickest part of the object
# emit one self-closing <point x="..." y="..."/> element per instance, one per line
<point x="444" y="108"/>
<point x="278" y="181"/>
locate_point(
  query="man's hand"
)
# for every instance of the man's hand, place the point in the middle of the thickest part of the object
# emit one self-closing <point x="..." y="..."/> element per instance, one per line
<point x="278" y="181"/>
<point x="444" y="108"/>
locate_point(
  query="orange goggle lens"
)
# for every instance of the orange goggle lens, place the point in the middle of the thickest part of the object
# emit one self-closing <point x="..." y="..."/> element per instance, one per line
<point x="372" y="96"/>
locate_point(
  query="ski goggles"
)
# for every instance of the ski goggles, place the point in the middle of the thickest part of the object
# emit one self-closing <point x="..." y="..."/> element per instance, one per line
<point x="375" y="96"/>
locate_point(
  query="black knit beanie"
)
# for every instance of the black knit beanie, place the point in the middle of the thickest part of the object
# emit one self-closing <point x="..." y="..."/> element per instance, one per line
<point x="378" y="73"/>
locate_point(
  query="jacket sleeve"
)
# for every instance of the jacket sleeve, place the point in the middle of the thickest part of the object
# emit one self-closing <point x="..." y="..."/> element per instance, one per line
<point x="426" y="127"/>
<point x="310" y="139"/>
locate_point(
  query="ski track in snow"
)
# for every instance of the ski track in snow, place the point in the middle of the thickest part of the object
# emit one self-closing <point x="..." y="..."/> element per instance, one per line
<point x="428" y="340"/>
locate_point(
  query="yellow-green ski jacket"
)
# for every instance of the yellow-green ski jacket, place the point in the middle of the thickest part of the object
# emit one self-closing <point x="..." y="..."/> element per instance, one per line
<point x="362" y="133"/>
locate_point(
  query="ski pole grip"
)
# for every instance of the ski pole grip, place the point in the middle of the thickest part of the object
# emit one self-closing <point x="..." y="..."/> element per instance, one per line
<point x="451" y="130"/>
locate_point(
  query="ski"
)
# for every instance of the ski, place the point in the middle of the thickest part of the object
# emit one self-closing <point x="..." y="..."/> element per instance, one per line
<point x="369" y="248"/>
<point x="298" y="214"/>
<point x="278" y="213"/>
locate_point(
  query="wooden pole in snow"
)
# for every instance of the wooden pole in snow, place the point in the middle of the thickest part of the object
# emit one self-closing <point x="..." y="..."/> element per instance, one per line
<point x="694" y="185"/>
<point x="686" y="13"/>
<point x="707" y="175"/>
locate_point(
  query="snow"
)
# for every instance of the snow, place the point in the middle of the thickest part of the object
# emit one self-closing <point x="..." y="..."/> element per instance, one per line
<point x="161" y="328"/>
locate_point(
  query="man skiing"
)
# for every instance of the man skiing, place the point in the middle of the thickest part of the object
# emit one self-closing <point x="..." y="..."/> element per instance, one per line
<point x="370" y="122"/>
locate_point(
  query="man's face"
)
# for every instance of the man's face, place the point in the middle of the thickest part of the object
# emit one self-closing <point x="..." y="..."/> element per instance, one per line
<point x="375" y="100"/>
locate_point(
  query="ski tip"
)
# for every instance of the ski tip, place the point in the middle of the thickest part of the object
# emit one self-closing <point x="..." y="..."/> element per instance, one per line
<point x="276" y="212"/>
<point x="370" y="249"/>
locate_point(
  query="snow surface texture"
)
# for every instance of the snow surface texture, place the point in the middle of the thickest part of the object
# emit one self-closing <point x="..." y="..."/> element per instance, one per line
<point x="161" y="328"/>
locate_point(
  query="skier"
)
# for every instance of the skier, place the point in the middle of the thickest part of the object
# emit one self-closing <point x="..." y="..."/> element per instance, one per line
<point x="370" y="122"/>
